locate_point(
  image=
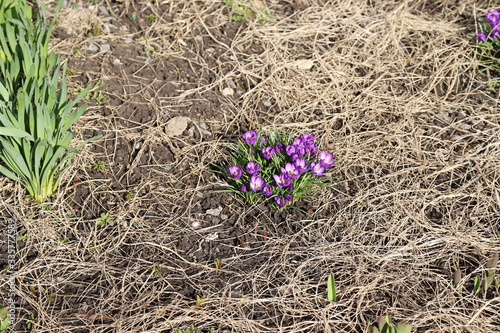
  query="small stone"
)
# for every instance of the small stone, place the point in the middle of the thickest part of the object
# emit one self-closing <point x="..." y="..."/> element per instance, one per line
<point x="105" y="48"/>
<point x="117" y="62"/>
<point x="223" y="217"/>
<point x="211" y="50"/>
<point x="176" y="126"/>
<point x="266" y="102"/>
<point x="104" y="10"/>
<point x="231" y="83"/>
<point x="92" y="48"/>
<point x="228" y="92"/>
<point x="138" y="145"/>
<point x="211" y="237"/>
<point x="214" y="211"/>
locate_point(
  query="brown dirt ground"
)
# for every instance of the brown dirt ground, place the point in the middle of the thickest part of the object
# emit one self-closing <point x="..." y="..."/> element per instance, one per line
<point x="394" y="91"/>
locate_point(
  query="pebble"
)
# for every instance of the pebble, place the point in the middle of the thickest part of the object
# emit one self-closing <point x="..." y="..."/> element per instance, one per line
<point x="111" y="26"/>
<point x="117" y="62"/>
<point x="231" y="83"/>
<point x="105" y="48"/>
<point x="266" y="102"/>
<point x="93" y="48"/>
<point x="211" y="50"/>
<point x="104" y="10"/>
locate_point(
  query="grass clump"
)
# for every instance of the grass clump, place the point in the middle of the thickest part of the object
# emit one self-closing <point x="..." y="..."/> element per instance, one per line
<point x="36" y="115"/>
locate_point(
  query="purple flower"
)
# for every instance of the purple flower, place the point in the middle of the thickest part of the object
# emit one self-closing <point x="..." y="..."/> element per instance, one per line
<point x="250" y="137"/>
<point x="290" y="149"/>
<point x="282" y="180"/>
<point x="267" y="190"/>
<point x="243" y="188"/>
<point x="300" y="165"/>
<point x="279" y="147"/>
<point x="294" y="157"/>
<point x="482" y="37"/>
<point x="252" y="168"/>
<point x="308" y="139"/>
<point x="291" y="186"/>
<point x="493" y="18"/>
<point x="263" y="140"/>
<point x="235" y="171"/>
<point x="288" y="197"/>
<point x="311" y="148"/>
<point x="325" y="159"/>
<point x="291" y="170"/>
<point x="298" y="141"/>
<point x="300" y="151"/>
<point x="495" y="33"/>
<point x="256" y="183"/>
<point x="268" y="152"/>
<point x="317" y="169"/>
<point x="280" y="201"/>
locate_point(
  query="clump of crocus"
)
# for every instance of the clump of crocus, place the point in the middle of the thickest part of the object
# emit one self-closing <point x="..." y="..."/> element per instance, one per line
<point x="277" y="168"/>
<point x="488" y="40"/>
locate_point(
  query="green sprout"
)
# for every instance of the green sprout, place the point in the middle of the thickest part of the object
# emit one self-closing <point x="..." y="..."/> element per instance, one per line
<point x="489" y="279"/>
<point x="129" y="196"/>
<point x="151" y="17"/>
<point x="22" y="237"/>
<point x="243" y="11"/>
<point x="385" y="325"/>
<point x="332" y="290"/>
<point x="99" y="165"/>
<point x="105" y="220"/>
<point x="4" y="319"/>
<point x="156" y="269"/>
<point x="36" y="115"/>
<point x="31" y="322"/>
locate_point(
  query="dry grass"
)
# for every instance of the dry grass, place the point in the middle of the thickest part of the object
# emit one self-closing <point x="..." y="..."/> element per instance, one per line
<point x="394" y="91"/>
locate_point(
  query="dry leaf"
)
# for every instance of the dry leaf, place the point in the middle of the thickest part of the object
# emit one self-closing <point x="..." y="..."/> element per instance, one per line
<point x="176" y="126"/>
<point x="304" y="64"/>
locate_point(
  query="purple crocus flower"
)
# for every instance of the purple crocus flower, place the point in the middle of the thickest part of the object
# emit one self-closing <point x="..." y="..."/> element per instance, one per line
<point x="493" y="18"/>
<point x="298" y="141"/>
<point x="252" y="167"/>
<point x="280" y="201"/>
<point x="279" y="147"/>
<point x="250" y="137"/>
<point x="243" y="188"/>
<point x="235" y="171"/>
<point x="290" y="149"/>
<point x="288" y="197"/>
<point x="291" y="186"/>
<point x="495" y="33"/>
<point x="308" y="139"/>
<point x="310" y="149"/>
<point x="325" y="159"/>
<point x="300" y="165"/>
<point x="482" y="37"/>
<point x="291" y="170"/>
<point x="317" y="169"/>
<point x="267" y="190"/>
<point x="282" y="180"/>
<point x="256" y="183"/>
<point x="263" y="140"/>
<point x="268" y="152"/>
